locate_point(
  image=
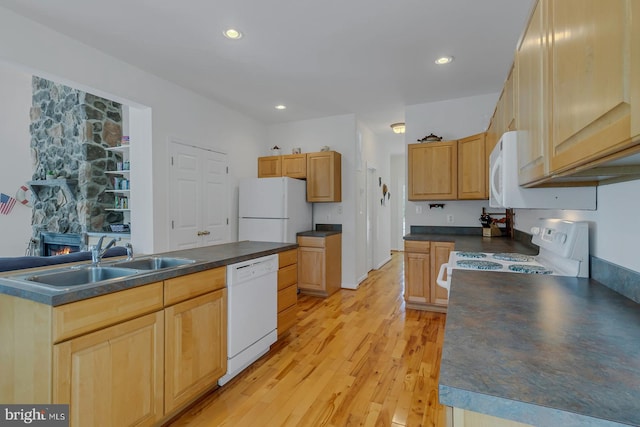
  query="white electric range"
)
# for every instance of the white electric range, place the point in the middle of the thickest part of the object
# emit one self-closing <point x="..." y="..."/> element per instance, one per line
<point x="564" y="251"/>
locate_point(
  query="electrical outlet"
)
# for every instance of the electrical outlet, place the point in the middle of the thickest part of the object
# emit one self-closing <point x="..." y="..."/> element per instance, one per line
<point x="339" y="209"/>
<point x="418" y="209"/>
<point x="450" y="219"/>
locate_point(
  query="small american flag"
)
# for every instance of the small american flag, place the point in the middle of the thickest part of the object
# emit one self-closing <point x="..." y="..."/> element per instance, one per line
<point x="6" y="204"/>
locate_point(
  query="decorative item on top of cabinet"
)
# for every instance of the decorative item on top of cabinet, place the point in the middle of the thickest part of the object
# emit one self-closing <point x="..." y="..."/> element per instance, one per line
<point x="422" y="260"/>
<point x="320" y="264"/>
<point x="433" y="170"/>
<point x="324" y="177"/>
<point x="287" y="290"/>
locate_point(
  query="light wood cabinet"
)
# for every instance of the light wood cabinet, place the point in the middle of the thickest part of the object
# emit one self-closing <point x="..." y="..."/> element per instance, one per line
<point x="269" y="167"/>
<point x="114" y="376"/>
<point x="472" y="168"/>
<point x="422" y="260"/>
<point x="439" y="255"/>
<point x="533" y="103"/>
<point x="324" y="177"/>
<point x="433" y="170"/>
<point x="195" y="335"/>
<point x="320" y="264"/>
<point x="287" y="290"/>
<point x="463" y="418"/>
<point x="294" y="166"/>
<point x="133" y="357"/>
<point x="290" y="165"/>
<point x="577" y="95"/>
<point x="592" y="80"/>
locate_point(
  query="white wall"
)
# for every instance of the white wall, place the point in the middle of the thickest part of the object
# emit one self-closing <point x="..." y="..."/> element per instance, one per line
<point x="398" y="196"/>
<point x="614" y="232"/>
<point x="339" y="133"/>
<point x="175" y="112"/>
<point x="15" y="167"/>
<point x="376" y="155"/>
<point x="450" y="119"/>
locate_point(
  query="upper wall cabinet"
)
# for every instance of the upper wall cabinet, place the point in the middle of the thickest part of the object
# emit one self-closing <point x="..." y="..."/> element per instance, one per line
<point x="578" y="92"/>
<point x="433" y="170"/>
<point x="532" y="110"/>
<point x="594" y="80"/>
<point x="291" y="165"/>
<point x="294" y="166"/>
<point x="269" y="167"/>
<point x="472" y="168"/>
<point x="324" y="177"/>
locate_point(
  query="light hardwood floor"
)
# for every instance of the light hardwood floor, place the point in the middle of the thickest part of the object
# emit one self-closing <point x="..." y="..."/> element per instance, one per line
<point x="355" y="358"/>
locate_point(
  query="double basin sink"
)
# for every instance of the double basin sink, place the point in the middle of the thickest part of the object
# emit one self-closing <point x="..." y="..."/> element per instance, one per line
<point x="88" y="274"/>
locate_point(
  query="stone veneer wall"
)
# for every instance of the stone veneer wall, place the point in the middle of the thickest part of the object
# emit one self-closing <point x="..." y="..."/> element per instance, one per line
<point x="70" y="130"/>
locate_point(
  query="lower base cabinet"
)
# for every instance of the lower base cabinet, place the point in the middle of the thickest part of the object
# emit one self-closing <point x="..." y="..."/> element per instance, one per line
<point x="461" y="418"/>
<point x="113" y="376"/>
<point x="287" y="290"/>
<point x="130" y="358"/>
<point x="320" y="264"/>
<point x="194" y="358"/>
<point x="422" y="261"/>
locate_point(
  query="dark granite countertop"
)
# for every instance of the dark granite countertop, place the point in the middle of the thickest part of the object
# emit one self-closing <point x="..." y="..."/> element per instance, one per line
<point x="476" y="243"/>
<point x="206" y="258"/>
<point x="543" y="350"/>
<point x="318" y="233"/>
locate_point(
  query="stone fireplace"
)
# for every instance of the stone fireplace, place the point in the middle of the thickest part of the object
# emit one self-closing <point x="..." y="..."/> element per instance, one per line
<point x="70" y="130"/>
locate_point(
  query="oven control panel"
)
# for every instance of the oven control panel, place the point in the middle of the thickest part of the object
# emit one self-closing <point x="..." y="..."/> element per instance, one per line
<point x="561" y="237"/>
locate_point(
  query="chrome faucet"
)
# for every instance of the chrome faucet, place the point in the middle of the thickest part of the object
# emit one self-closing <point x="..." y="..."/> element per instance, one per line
<point x="97" y="252"/>
<point x="129" y="248"/>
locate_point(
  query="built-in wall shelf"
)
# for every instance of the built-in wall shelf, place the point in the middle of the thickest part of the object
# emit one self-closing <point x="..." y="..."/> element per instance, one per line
<point x="68" y="186"/>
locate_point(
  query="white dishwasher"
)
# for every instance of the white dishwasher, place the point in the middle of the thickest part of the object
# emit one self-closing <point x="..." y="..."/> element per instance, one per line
<point x="252" y="288"/>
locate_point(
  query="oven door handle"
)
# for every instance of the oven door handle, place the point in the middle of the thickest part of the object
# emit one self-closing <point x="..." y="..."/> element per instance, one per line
<point x="440" y="280"/>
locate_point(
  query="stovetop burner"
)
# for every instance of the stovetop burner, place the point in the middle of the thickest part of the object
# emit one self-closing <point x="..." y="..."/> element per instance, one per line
<point x="478" y="264"/>
<point x="471" y="255"/>
<point x="529" y="269"/>
<point x="513" y="257"/>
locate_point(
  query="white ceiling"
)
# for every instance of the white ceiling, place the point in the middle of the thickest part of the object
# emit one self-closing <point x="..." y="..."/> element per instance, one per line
<point x="320" y="58"/>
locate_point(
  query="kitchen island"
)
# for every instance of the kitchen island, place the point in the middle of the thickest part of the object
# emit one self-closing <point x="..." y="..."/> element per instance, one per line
<point x="206" y="258"/>
<point x="540" y="350"/>
<point x="132" y="350"/>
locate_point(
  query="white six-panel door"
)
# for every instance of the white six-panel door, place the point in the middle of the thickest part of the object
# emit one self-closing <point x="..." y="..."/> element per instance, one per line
<point x="198" y="197"/>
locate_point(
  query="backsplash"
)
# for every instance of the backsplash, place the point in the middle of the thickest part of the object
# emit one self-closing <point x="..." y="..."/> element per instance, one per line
<point x="620" y="279"/>
<point x="70" y="130"/>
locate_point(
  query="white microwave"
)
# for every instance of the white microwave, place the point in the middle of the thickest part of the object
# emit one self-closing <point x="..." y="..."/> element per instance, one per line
<point x="505" y="192"/>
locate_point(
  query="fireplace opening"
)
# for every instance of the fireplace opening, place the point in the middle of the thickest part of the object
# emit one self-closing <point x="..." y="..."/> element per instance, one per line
<point x="52" y="244"/>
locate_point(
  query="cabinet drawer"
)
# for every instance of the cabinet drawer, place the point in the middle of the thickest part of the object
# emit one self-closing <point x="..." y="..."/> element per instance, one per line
<point x="417" y="246"/>
<point x="286" y="319"/>
<point x="312" y="242"/>
<point x="287" y="258"/>
<point x="287" y="297"/>
<point x="80" y="317"/>
<point x="288" y="276"/>
<point x="191" y="285"/>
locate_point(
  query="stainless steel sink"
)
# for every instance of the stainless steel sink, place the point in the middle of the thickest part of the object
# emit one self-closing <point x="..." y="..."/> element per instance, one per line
<point x="154" y="263"/>
<point x="81" y="276"/>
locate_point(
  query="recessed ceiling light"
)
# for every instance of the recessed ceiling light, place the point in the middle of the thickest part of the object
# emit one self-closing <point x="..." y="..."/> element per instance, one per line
<point x="232" y="34"/>
<point x="444" y="60"/>
<point x="281" y="107"/>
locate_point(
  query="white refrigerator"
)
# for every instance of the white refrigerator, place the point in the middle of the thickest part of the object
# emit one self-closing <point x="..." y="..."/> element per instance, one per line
<point x="273" y="209"/>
